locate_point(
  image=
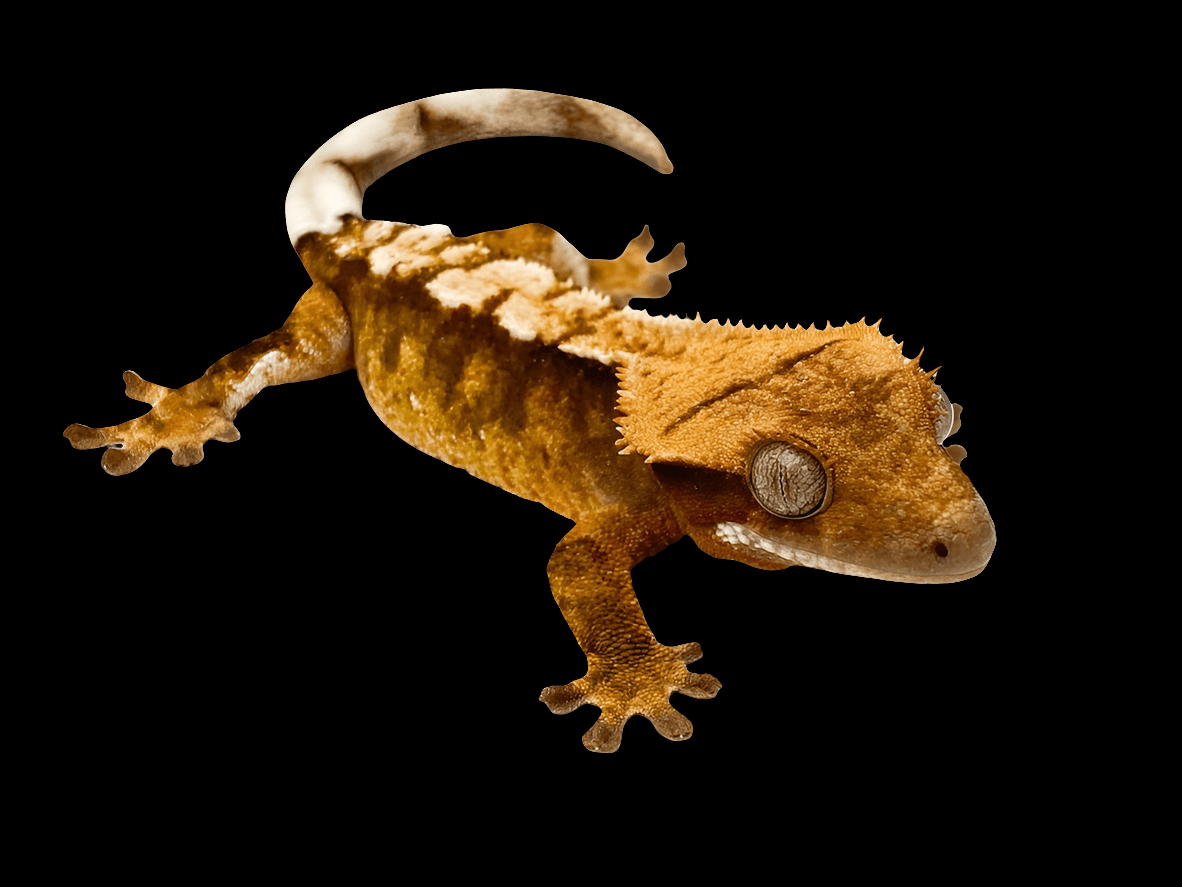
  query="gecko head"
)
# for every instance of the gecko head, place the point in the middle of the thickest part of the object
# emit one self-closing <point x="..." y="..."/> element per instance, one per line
<point x="812" y="448"/>
<point x="910" y="517"/>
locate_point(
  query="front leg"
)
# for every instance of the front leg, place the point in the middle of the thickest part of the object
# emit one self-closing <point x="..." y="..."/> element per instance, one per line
<point x="315" y="341"/>
<point x="628" y="671"/>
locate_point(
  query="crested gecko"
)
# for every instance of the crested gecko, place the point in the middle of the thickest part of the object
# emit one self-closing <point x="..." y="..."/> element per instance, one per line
<point x="511" y="355"/>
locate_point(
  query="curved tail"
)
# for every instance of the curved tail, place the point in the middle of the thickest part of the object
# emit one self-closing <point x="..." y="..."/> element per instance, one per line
<point x="332" y="181"/>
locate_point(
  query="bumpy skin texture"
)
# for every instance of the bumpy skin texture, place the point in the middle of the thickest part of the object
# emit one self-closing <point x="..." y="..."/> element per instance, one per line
<point x="510" y="355"/>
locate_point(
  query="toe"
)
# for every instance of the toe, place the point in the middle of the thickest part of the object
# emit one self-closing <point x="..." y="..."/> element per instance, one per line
<point x="700" y="686"/>
<point x="563" y="698"/>
<point x="83" y="437"/>
<point x="603" y="736"/>
<point x="189" y="453"/>
<point x="671" y="723"/>
<point x="124" y="461"/>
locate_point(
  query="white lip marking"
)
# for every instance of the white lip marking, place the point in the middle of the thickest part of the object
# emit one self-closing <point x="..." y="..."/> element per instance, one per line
<point x="740" y="536"/>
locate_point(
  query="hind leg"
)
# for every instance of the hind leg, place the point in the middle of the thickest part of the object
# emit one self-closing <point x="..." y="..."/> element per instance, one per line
<point x="315" y="341"/>
<point x="632" y="276"/>
<point x="629" y="276"/>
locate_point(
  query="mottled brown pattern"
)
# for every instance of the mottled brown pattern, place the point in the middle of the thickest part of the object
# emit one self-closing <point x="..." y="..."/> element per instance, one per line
<point x="454" y="384"/>
<point x="514" y="357"/>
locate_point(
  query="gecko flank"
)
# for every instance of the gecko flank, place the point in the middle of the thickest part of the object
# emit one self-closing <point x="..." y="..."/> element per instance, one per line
<point x="511" y="355"/>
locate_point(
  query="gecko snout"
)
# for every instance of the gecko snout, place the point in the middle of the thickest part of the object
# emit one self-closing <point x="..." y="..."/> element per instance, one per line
<point x="963" y="548"/>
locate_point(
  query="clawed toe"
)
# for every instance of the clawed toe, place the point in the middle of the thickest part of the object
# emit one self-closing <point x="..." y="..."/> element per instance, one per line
<point x="635" y="686"/>
<point x="607" y="733"/>
<point x="672" y="724"/>
<point x="603" y="737"/>
<point x="700" y="686"/>
<point x="121" y="457"/>
<point x="188" y="454"/>
<point x="124" y="460"/>
<point x="83" y="437"/>
<point x="143" y="391"/>
<point x="564" y="698"/>
<point x="181" y="420"/>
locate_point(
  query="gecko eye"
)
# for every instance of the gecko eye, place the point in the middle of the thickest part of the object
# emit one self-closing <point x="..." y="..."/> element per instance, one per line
<point x="787" y="481"/>
<point x="947" y="425"/>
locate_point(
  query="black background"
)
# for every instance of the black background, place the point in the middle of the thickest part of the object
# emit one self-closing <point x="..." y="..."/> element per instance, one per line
<point x="320" y="590"/>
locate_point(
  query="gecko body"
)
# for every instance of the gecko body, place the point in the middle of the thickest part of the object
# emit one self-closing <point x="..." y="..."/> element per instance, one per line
<point x="512" y="356"/>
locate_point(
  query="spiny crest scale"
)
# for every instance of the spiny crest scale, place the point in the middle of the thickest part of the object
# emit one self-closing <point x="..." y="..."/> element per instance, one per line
<point x="658" y="385"/>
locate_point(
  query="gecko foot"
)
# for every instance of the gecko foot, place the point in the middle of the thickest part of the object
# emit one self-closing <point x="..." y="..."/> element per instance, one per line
<point x="181" y="420"/>
<point x="632" y="276"/>
<point x="634" y="685"/>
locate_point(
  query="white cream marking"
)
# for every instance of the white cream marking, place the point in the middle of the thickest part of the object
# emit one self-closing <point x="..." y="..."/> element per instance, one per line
<point x="461" y="253"/>
<point x="410" y="251"/>
<point x="474" y="286"/>
<point x="584" y="300"/>
<point x="564" y="255"/>
<point x="589" y="350"/>
<point x="406" y="249"/>
<point x="740" y="536"/>
<point x="333" y="180"/>
<point x="456" y="287"/>
<point x="370" y="235"/>
<point x="271" y="367"/>
<point x="521" y="316"/>
<point x="664" y="323"/>
<point x="527" y="314"/>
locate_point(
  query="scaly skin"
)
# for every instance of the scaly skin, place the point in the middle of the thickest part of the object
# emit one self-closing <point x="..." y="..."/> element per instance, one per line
<point x="511" y="355"/>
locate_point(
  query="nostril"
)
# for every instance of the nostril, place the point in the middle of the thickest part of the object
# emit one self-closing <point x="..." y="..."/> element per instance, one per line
<point x="941" y="550"/>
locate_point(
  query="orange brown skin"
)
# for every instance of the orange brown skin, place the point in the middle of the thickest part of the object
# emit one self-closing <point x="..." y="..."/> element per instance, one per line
<point x="512" y="356"/>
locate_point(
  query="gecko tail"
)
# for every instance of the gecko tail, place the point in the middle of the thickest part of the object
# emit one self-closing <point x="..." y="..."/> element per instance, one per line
<point x="332" y="182"/>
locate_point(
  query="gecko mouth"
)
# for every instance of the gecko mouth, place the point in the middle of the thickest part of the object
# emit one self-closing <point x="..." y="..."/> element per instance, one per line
<point x="960" y="556"/>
